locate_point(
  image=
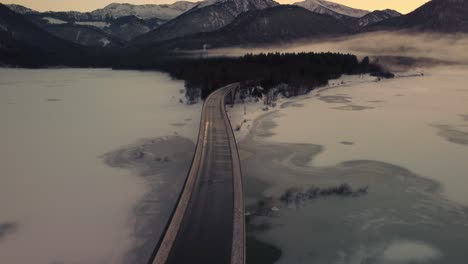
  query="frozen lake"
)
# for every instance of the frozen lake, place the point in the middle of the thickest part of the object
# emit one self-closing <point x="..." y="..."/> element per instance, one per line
<point x="91" y="163"/>
<point x="401" y="146"/>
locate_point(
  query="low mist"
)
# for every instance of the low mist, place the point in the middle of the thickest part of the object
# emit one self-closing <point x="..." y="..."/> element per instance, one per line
<point x="395" y="49"/>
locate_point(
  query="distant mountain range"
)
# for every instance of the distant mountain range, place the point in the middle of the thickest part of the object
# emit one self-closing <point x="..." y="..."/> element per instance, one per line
<point x="279" y="24"/>
<point x="25" y="44"/>
<point x="447" y="16"/>
<point x="21" y="9"/>
<point x="163" y="12"/>
<point x="330" y="8"/>
<point x="207" y="16"/>
<point x="209" y="23"/>
<point x="129" y="27"/>
<point x="110" y="26"/>
<point x="118" y="25"/>
<point x="116" y="10"/>
<point x="377" y="16"/>
<point x="122" y="28"/>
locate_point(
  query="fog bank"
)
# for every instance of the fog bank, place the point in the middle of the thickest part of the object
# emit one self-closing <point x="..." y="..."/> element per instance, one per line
<point x="423" y="48"/>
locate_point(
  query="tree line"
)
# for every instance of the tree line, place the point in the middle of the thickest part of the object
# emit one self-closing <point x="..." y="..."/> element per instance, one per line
<point x="291" y="74"/>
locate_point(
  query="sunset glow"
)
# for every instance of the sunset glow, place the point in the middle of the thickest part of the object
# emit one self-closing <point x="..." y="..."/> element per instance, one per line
<point x="403" y="6"/>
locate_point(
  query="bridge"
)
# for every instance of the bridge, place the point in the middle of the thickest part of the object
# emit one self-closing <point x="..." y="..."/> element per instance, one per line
<point x="207" y="225"/>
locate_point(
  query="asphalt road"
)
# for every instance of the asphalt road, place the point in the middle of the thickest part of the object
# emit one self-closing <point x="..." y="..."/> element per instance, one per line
<point x="208" y="226"/>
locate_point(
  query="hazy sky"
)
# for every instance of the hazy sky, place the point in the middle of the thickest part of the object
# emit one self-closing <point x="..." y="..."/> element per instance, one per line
<point x="403" y="6"/>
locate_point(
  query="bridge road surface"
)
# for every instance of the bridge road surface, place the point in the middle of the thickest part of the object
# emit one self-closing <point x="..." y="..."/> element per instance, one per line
<point x="207" y="225"/>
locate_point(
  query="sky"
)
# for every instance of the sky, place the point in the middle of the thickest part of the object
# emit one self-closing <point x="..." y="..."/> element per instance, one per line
<point x="403" y="6"/>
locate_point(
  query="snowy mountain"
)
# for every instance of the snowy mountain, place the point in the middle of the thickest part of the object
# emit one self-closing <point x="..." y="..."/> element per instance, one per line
<point x="330" y="8"/>
<point x="91" y="34"/>
<point x="24" y="31"/>
<point x="377" y="16"/>
<point x="21" y="9"/>
<point x="83" y="32"/>
<point x="84" y="35"/>
<point x="448" y="16"/>
<point x="89" y="30"/>
<point x="164" y="12"/>
<point x="25" y="44"/>
<point x="207" y="16"/>
<point x="129" y="27"/>
<point x="275" y="25"/>
<point x="241" y="5"/>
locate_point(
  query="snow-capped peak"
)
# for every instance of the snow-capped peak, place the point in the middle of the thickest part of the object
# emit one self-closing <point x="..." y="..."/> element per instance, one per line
<point x="323" y="6"/>
<point x="164" y="12"/>
<point x="391" y="12"/>
<point x="377" y="16"/>
<point x="242" y="5"/>
<point x="21" y="9"/>
<point x="181" y="5"/>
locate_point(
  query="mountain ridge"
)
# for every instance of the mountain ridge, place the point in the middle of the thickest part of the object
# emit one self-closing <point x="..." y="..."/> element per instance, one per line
<point x="275" y="25"/>
<point x="377" y="16"/>
<point x="331" y="8"/>
<point x="205" y="17"/>
<point x="447" y="16"/>
<point x="163" y="11"/>
<point x="23" y="43"/>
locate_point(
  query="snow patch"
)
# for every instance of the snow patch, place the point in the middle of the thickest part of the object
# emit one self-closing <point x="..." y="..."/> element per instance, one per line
<point x="56" y="21"/>
<point x="21" y="9"/>
<point x="242" y="116"/>
<point x="104" y="42"/>
<point x="241" y="5"/>
<point x="207" y="3"/>
<point x="98" y="24"/>
<point x="324" y="7"/>
<point x="78" y="36"/>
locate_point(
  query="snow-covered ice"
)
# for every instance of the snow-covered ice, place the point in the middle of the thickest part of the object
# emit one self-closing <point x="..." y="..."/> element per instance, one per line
<point x="405" y="141"/>
<point x="396" y="121"/>
<point x="62" y="202"/>
<point x="395" y="125"/>
<point x="410" y="252"/>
